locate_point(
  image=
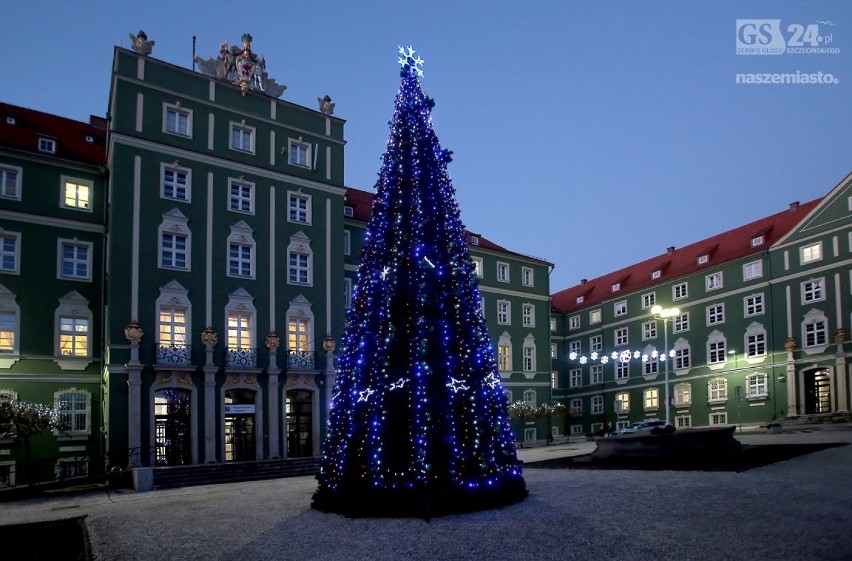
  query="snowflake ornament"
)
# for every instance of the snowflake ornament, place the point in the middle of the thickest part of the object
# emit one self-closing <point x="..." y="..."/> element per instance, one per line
<point x="407" y="58"/>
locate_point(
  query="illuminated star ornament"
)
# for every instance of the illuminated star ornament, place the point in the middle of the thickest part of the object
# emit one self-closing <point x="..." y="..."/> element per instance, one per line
<point x="364" y="395"/>
<point x="457" y="385"/>
<point x="407" y="58"/>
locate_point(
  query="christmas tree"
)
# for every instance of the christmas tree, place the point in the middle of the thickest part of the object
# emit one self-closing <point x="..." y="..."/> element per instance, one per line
<point x="419" y="424"/>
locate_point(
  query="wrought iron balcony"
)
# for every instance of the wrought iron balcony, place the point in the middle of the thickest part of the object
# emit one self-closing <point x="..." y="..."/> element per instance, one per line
<point x="241" y="358"/>
<point x="174" y="355"/>
<point x="301" y="360"/>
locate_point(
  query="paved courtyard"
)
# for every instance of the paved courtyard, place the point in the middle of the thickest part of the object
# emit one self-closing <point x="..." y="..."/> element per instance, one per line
<point x="800" y="509"/>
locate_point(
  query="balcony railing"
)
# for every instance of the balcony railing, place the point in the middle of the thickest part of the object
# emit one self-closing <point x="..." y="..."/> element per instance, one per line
<point x="174" y="355"/>
<point x="241" y="358"/>
<point x="301" y="360"/>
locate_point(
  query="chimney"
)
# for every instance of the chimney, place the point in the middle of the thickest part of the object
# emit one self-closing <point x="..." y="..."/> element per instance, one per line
<point x="670" y="250"/>
<point x="583" y="281"/>
<point x="794" y="206"/>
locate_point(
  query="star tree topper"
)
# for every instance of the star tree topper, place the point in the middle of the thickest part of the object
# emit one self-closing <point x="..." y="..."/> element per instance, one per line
<point x="407" y="58"/>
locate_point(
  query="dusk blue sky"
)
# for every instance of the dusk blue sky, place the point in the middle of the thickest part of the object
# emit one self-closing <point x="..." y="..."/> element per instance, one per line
<point x="591" y="134"/>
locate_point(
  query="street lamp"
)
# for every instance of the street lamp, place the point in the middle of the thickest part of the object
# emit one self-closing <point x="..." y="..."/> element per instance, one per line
<point x="664" y="314"/>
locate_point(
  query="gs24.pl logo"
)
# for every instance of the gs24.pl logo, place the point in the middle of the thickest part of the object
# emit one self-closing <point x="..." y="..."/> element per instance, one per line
<point x="769" y="37"/>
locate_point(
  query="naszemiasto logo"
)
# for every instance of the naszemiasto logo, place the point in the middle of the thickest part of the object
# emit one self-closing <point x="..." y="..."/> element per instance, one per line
<point x="771" y="37"/>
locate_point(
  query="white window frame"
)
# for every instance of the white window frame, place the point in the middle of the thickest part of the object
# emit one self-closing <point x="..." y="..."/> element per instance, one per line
<point x="620" y="308"/>
<point x="530" y="397"/>
<point x="718" y="418"/>
<point x="715" y="314"/>
<point x="78" y="421"/>
<point x="477" y="266"/>
<point x="573" y="322"/>
<point x="810" y="253"/>
<point x="596" y="343"/>
<point x="179" y="112"/>
<point x="596" y="374"/>
<point x="529" y="354"/>
<point x="504" y="312"/>
<point x="527" y="276"/>
<point x="61" y="259"/>
<point x="622" y="402"/>
<point x="300" y="246"/>
<point x="347" y="293"/>
<point x="597" y="405"/>
<point x="299" y="208"/>
<point x="174" y="183"/>
<point x="504" y="353"/>
<point x="757" y="386"/>
<point x="243" y="132"/>
<point x="651" y="399"/>
<point x="502" y="272"/>
<point x="241" y="239"/>
<point x="717" y="348"/>
<point x="347" y="242"/>
<point x="174" y="299"/>
<point x="753" y="305"/>
<point x="14" y="254"/>
<point x="83" y="193"/>
<point x="683" y="355"/>
<point x="681" y="323"/>
<point x="649" y="300"/>
<point x="575" y="378"/>
<point x="73" y="306"/>
<point x="621" y="336"/>
<point x="174" y="224"/>
<point x="553" y="351"/>
<point x="815" y="331"/>
<point x="714" y="281"/>
<point x="9" y="306"/>
<point x="46" y="145"/>
<point x="595" y="316"/>
<point x="240" y="321"/>
<point x="753" y="270"/>
<point x="528" y="315"/>
<point x="813" y="290"/>
<point x="649" y="330"/>
<point x="622" y="370"/>
<point x="680" y="291"/>
<point x="682" y="394"/>
<point x="11" y="179"/>
<point x="296" y="148"/>
<point x="756" y="343"/>
<point x="683" y="421"/>
<point x="574" y="347"/>
<point x="238" y="201"/>
<point x="575" y="406"/>
<point x="717" y="390"/>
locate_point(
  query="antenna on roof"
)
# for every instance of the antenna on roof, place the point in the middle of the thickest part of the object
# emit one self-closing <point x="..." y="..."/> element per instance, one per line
<point x="193" y="53"/>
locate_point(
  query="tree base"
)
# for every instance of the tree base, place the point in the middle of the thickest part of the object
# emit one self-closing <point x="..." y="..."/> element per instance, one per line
<point x="426" y="503"/>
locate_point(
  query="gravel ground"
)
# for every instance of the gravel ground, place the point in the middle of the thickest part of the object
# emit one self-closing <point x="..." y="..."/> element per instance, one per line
<point x="800" y="509"/>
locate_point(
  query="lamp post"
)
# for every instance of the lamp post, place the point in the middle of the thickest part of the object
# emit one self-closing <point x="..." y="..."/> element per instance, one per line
<point x="664" y="314"/>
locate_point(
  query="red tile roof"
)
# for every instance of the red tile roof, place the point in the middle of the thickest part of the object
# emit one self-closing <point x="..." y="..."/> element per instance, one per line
<point x="675" y="263"/>
<point x="21" y="128"/>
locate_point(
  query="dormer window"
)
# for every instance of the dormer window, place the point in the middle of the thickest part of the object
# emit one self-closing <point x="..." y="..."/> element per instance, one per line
<point x="47" y="145"/>
<point x="656" y="274"/>
<point x="703" y="259"/>
<point x="474" y="240"/>
<point x="580" y="299"/>
<point x="348" y="211"/>
<point x="616" y="286"/>
<point x="757" y="241"/>
<point x="10" y="120"/>
<point x="90" y="139"/>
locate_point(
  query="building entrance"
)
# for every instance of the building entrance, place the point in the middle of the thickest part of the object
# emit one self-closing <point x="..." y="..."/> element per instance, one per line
<point x="239" y="426"/>
<point x="173" y="437"/>
<point x="817" y="392"/>
<point x="299" y="413"/>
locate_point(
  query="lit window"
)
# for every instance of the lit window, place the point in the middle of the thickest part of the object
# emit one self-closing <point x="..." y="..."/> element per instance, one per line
<point x="10" y="182"/>
<point x="172" y="325"/>
<point x="177" y="120"/>
<point x="622" y="402"/>
<point x="300" y="208"/>
<point x="76" y="194"/>
<point x="239" y="329"/>
<point x="241" y="196"/>
<point x="75" y="260"/>
<point x="595" y="316"/>
<point x="73" y="336"/>
<point x="652" y="398"/>
<point x="682" y="395"/>
<point x="714" y="281"/>
<point x="297" y="335"/>
<point x="477" y="266"/>
<point x="299" y="153"/>
<point x="811" y="253"/>
<point x="242" y="138"/>
<point x="8" y="329"/>
<point x="504" y="357"/>
<point x="620" y="308"/>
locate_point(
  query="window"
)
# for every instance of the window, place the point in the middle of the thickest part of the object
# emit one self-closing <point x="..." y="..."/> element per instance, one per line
<point x="597" y="405"/>
<point x="753" y="305"/>
<point x="76" y="194"/>
<point x="300" y="208"/>
<point x="574" y="322"/>
<point x="681" y="358"/>
<point x="651" y="365"/>
<point x="757" y="241"/>
<point x="682" y="395"/>
<point x="596" y="374"/>
<point x="553" y="351"/>
<point x="757" y="387"/>
<point x="529" y="354"/>
<point x="239" y="330"/>
<point x="347" y="242"/>
<point x="477" y="266"/>
<point x="504" y="357"/>
<point x="656" y="274"/>
<point x="681" y="323"/>
<point x="717" y="390"/>
<point x="300" y="260"/>
<point x="347" y="293"/>
<point x="553" y="324"/>
<point x="810" y="253"/>
<point x="10" y="182"/>
<point x="649" y="330"/>
<point x="299" y="153"/>
<point x="715" y="314"/>
<point x="177" y="120"/>
<point x="174" y="241"/>
<point x="574" y="348"/>
<point x="75" y="260"/>
<point x="241" y="252"/>
<point x="755" y="341"/>
<point x="616" y="286"/>
<point x="576" y="406"/>
<point x="527" y="276"/>
<point x="503" y="272"/>
<point x="596" y="343"/>
<point x="74" y="336"/>
<point x="173" y="325"/>
<point x="595" y="316"/>
<point x="554" y="380"/>
<point x="648" y="300"/>
<point x="719" y="418"/>
<point x="622" y="370"/>
<point x="713" y="282"/>
<point x="474" y="240"/>
<point x="683" y="421"/>
<point x="621" y="336"/>
<point x="716" y="351"/>
<point x="651" y="398"/>
<point x="241" y="196"/>
<point x="753" y="270"/>
<point x="528" y="315"/>
<point x="575" y="378"/>
<point x="529" y="397"/>
<point x="620" y="308"/>
<point x="174" y="182"/>
<point x="679" y="291"/>
<point x="348" y="211"/>
<point x="816" y="333"/>
<point x="10" y="246"/>
<point x="47" y="145"/>
<point x="297" y="335"/>
<point x="622" y="402"/>
<point x="504" y="312"/>
<point x="580" y="299"/>
<point x="10" y="314"/>
<point x="703" y="259"/>
<point x="300" y="339"/>
<point x="242" y="138"/>
<point x="74" y="408"/>
<point x="812" y="290"/>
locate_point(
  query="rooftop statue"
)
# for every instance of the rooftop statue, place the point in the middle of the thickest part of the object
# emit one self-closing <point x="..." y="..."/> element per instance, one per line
<point x="242" y="67"/>
<point x="140" y="43"/>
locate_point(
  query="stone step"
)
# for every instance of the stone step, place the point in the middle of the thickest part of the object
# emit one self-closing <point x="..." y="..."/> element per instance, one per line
<point x="232" y="472"/>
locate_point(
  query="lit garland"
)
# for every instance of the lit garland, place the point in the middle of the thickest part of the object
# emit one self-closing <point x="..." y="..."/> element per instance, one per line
<point x="621" y="356"/>
<point x="419" y="421"/>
